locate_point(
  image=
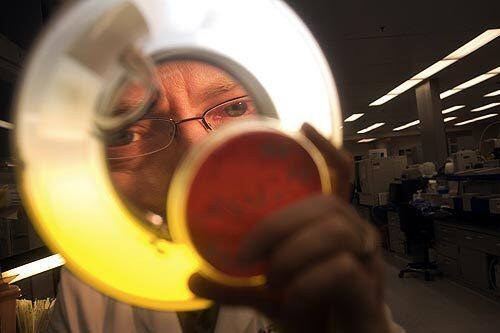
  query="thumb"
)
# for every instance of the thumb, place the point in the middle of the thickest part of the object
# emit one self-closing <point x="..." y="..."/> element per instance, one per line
<point x="258" y="297"/>
<point x="339" y="162"/>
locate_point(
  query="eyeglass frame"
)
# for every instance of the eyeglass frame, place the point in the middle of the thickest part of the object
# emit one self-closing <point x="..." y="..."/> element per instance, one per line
<point x="176" y="123"/>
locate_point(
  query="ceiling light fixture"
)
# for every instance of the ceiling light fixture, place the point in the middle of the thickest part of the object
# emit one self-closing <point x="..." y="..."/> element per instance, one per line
<point x="6" y="125"/>
<point x="404" y="87"/>
<point x="475" y="81"/>
<point x="433" y="69"/>
<point x="470" y="83"/>
<point x="34" y="268"/>
<point x="382" y="100"/>
<point x="475" y="44"/>
<point x="367" y="140"/>
<point x="413" y="123"/>
<point x="371" y="128"/>
<point x="485" y="107"/>
<point x="453" y="108"/>
<point x="448" y="93"/>
<point x="354" y="117"/>
<point x="493" y="93"/>
<point x="458" y="54"/>
<point x="447" y="119"/>
<point x="476" y="119"/>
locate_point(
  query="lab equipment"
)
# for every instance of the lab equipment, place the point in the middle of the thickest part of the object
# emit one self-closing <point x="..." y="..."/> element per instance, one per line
<point x="375" y="175"/>
<point x="464" y="160"/>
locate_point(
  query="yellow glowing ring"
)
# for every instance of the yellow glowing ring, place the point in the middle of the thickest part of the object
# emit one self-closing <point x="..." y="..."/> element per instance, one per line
<point x="62" y="172"/>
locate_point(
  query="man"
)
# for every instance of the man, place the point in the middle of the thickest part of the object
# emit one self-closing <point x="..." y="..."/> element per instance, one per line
<point x="324" y="272"/>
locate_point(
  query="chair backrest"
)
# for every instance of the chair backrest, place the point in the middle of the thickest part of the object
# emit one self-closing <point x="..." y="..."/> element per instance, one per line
<point x="409" y="217"/>
<point x="415" y="225"/>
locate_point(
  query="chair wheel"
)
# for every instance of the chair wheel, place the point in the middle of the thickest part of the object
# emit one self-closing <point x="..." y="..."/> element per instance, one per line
<point x="401" y="275"/>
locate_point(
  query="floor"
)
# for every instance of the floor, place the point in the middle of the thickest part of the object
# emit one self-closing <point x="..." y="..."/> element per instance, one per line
<point x="439" y="306"/>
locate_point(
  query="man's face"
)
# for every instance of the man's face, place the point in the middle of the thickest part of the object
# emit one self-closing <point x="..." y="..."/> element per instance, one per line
<point x="141" y="167"/>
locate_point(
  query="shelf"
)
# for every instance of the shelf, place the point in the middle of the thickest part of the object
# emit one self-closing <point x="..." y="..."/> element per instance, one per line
<point x="474" y="176"/>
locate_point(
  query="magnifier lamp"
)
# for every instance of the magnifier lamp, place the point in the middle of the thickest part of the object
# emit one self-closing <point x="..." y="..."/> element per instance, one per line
<point x="63" y="110"/>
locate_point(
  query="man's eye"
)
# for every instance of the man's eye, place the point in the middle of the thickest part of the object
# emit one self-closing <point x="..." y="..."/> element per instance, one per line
<point x="124" y="138"/>
<point x="232" y="110"/>
<point x="237" y="109"/>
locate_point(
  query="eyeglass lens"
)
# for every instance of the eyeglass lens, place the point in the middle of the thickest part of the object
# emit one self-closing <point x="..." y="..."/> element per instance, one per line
<point x="149" y="135"/>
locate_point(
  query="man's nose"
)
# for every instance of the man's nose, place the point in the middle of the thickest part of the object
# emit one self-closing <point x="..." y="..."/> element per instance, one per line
<point x="192" y="131"/>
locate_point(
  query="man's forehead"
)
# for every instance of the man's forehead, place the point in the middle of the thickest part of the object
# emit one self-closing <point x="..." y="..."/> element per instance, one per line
<point x="189" y="70"/>
<point x="200" y="80"/>
<point x="132" y="94"/>
<point x="197" y="77"/>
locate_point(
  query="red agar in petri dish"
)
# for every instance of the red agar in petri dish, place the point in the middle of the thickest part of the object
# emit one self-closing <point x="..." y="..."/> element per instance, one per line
<point x="241" y="181"/>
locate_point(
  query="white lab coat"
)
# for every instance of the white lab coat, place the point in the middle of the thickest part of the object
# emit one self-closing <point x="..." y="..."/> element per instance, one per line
<point x="80" y="308"/>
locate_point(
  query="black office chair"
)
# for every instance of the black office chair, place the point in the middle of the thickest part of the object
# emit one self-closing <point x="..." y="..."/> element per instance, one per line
<point x="418" y="230"/>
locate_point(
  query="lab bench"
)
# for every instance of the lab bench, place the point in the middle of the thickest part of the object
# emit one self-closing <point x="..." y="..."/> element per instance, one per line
<point x="467" y="253"/>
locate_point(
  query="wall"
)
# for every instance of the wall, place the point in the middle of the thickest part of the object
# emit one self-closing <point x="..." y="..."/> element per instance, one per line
<point x="492" y="132"/>
<point x="393" y="146"/>
<point x="463" y="139"/>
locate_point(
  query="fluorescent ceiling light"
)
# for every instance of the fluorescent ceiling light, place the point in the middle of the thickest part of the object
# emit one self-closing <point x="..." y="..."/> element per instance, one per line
<point x="35" y="267"/>
<point x="354" y="116"/>
<point x="371" y="128"/>
<point x="433" y="69"/>
<point x="495" y="71"/>
<point x="453" y="108"/>
<point x="6" y="125"/>
<point x="448" y="93"/>
<point x="413" y="123"/>
<point x="485" y="107"/>
<point x="459" y="53"/>
<point x="493" y="93"/>
<point x="471" y="82"/>
<point x="475" y="44"/>
<point x="474" y="81"/>
<point x="404" y="87"/>
<point x="367" y="140"/>
<point x="476" y="119"/>
<point x="447" y="119"/>
<point x="382" y="100"/>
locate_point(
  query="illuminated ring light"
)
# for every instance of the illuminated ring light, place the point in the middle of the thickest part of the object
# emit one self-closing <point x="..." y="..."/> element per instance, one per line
<point x="63" y="175"/>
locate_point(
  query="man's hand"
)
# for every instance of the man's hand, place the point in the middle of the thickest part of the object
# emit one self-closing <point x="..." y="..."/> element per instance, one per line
<point x="324" y="272"/>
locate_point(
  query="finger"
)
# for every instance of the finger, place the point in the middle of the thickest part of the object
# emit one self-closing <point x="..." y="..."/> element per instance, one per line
<point x="339" y="161"/>
<point x="335" y="157"/>
<point x="280" y="224"/>
<point x="341" y="286"/>
<point x="310" y="246"/>
<point x="258" y="297"/>
<point x="371" y="248"/>
<point x="338" y="282"/>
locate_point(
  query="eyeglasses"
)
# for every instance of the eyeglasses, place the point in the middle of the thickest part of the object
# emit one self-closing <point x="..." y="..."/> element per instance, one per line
<point x="150" y="135"/>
